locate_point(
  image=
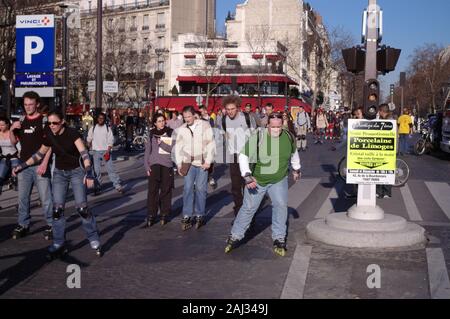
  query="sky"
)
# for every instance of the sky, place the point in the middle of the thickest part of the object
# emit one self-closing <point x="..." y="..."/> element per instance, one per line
<point x="408" y="24"/>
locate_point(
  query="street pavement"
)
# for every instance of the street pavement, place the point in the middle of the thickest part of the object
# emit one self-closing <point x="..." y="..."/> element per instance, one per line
<point x="165" y="262"/>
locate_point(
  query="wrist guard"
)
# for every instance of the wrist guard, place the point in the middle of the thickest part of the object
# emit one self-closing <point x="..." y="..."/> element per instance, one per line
<point x="22" y="166"/>
<point x="248" y="178"/>
<point x="89" y="173"/>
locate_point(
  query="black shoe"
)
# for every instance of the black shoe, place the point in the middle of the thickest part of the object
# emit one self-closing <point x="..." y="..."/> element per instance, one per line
<point x="54" y="252"/>
<point x="150" y="221"/>
<point x="48" y="233"/>
<point x="279" y="247"/>
<point x="231" y="244"/>
<point x="20" y="232"/>
<point x="199" y="222"/>
<point x="186" y="223"/>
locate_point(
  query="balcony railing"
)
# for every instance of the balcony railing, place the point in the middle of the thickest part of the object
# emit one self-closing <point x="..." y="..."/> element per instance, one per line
<point x="249" y="69"/>
<point x="133" y="29"/>
<point x="160" y="26"/>
<point x="128" y="7"/>
<point x="145" y="28"/>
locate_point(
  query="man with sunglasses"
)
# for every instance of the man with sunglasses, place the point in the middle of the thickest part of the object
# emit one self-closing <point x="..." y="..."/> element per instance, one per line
<point x="270" y="150"/>
<point x="29" y="131"/>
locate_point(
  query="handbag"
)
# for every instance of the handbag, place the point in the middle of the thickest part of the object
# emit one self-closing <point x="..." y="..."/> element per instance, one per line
<point x="185" y="167"/>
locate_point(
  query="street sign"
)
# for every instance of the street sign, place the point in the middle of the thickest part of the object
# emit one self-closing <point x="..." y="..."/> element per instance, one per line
<point x="110" y="87"/>
<point x="35" y="43"/>
<point x="34" y="79"/>
<point x="91" y="86"/>
<point x="371" y="152"/>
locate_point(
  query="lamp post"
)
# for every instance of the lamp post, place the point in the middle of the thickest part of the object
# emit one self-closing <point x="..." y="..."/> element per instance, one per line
<point x="99" y="75"/>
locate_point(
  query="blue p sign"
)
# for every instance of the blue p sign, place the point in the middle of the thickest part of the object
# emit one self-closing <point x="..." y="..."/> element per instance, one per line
<point x="35" y="41"/>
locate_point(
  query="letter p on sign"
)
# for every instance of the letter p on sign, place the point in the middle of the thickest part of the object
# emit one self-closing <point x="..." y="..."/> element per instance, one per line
<point x="33" y="45"/>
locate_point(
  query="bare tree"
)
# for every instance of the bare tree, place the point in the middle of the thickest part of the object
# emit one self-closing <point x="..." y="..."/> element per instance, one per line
<point x="258" y="39"/>
<point x="429" y="68"/>
<point x="212" y="56"/>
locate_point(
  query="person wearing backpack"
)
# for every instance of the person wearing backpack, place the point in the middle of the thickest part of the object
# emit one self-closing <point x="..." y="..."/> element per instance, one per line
<point x="101" y="139"/>
<point x="29" y="131"/>
<point x="271" y="151"/>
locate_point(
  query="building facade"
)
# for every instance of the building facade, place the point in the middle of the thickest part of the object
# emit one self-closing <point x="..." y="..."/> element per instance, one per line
<point x="137" y="41"/>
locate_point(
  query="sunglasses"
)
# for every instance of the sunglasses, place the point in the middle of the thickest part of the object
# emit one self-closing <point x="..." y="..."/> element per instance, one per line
<point x="276" y="115"/>
<point x="54" y="123"/>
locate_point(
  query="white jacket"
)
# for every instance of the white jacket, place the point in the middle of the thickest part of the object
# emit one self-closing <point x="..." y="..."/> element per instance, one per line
<point x="101" y="137"/>
<point x="195" y="141"/>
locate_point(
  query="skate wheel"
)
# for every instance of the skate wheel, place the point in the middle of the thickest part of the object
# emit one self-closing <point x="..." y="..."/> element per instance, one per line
<point x="14" y="237"/>
<point x="228" y="249"/>
<point x="280" y="251"/>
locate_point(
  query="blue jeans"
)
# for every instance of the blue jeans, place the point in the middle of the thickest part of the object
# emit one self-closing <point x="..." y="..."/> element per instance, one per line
<point x="61" y="181"/>
<point x="25" y="181"/>
<point x="198" y="177"/>
<point x="98" y="159"/>
<point x="278" y="194"/>
<point x="403" y="143"/>
<point x="5" y="169"/>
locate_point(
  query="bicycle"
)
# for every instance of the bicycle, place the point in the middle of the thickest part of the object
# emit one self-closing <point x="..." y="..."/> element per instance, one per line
<point x="402" y="171"/>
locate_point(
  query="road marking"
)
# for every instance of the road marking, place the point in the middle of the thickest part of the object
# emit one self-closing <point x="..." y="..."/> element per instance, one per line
<point x="437" y="274"/>
<point x="294" y="286"/>
<point x="410" y="204"/>
<point x="441" y="194"/>
<point x="300" y="191"/>
<point x="327" y="206"/>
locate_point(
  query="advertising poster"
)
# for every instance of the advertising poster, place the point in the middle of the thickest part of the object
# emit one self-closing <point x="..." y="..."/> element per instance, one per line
<point x="371" y="152"/>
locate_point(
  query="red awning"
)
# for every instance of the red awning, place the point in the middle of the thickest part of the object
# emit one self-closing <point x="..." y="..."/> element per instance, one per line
<point x="231" y="56"/>
<point x="215" y="102"/>
<point x="257" y="56"/>
<point x="241" y="79"/>
<point x="274" y="57"/>
<point x="210" y="56"/>
<point x="190" y="56"/>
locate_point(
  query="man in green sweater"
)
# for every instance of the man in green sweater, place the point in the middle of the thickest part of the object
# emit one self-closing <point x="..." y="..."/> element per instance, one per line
<point x="271" y="150"/>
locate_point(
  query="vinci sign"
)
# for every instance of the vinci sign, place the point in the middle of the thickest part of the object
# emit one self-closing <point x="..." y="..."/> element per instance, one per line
<point x="35" y="38"/>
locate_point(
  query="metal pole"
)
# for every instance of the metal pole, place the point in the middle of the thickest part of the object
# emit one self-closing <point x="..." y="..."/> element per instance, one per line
<point x="99" y="76"/>
<point x="65" y="49"/>
<point x="366" y="202"/>
<point x="402" y="102"/>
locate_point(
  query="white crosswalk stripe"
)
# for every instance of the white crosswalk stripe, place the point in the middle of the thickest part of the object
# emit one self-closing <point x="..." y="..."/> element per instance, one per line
<point x="410" y="204"/>
<point x="441" y="194"/>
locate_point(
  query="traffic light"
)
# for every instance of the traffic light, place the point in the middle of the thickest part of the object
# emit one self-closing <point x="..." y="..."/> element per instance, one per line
<point x="387" y="59"/>
<point x="392" y="90"/>
<point x="371" y="98"/>
<point x="355" y="59"/>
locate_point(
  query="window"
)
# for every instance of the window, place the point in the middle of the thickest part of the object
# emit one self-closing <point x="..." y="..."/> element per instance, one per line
<point x="145" y="22"/>
<point x="161" y="66"/>
<point x="133" y="23"/>
<point x="211" y="62"/>
<point x="122" y="24"/>
<point x="233" y="62"/>
<point x="190" y="61"/>
<point x="161" y="42"/>
<point x="110" y="23"/>
<point x="161" y="19"/>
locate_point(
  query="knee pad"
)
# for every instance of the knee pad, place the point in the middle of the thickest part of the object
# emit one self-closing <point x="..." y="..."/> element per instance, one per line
<point x="84" y="212"/>
<point x="58" y="213"/>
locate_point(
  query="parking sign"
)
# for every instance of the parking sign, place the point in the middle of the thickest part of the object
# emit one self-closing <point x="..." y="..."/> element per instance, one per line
<point x="35" y="43"/>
